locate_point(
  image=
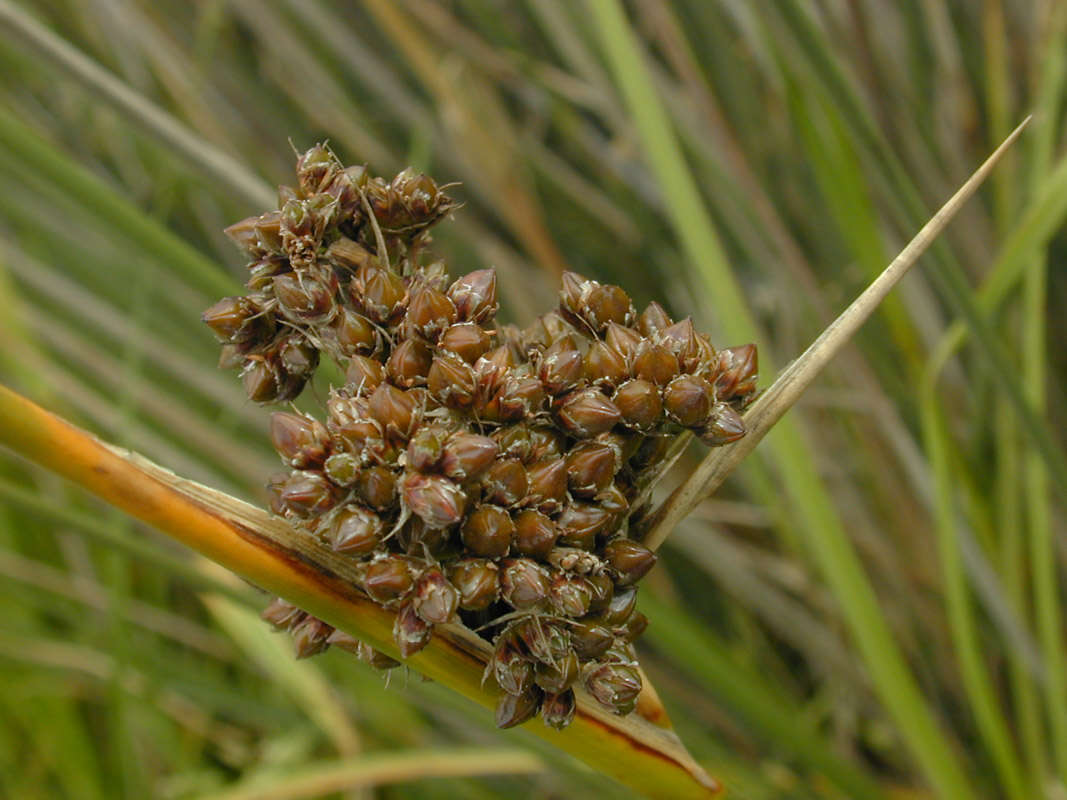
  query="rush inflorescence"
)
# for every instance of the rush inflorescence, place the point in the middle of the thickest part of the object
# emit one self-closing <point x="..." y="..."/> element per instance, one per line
<point x="475" y="473"/>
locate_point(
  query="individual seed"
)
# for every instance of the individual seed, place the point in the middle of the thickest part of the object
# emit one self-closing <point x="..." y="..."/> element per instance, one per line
<point x="343" y="469"/>
<point x="231" y="319"/>
<point x="434" y="599"/>
<point x="395" y="410"/>
<point x="364" y="374"/>
<point x="606" y="304"/>
<point x="311" y="637"/>
<point x="300" y="440"/>
<point x="615" y="686"/>
<point x="580" y="523"/>
<point x="305" y="299"/>
<point x="426" y="448"/>
<point x="376" y="486"/>
<point x="477" y="581"/>
<point x="738" y="373"/>
<point x="512" y="710"/>
<point x="487" y="531"/>
<point x="512" y="671"/>
<point x="410" y="631"/>
<point x="535" y="534"/>
<point x="545" y="443"/>
<point x="282" y="614"/>
<point x="474" y="295"/>
<point x="574" y="560"/>
<point x="409" y="363"/>
<point x="635" y="626"/>
<point x="388" y="578"/>
<point x="620" y="607"/>
<point x="354" y="531"/>
<point x="687" y="400"/>
<point x="623" y="340"/>
<point x="590" y="468"/>
<point x="558" y="676"/>
<point x="375" y="658"/>
<point x="467" y="455"/>
<point x="557" y="710"/>
<point x="561" y="367"/>
<point x="570" y="595"/>
<point x="590" y="641"/>
<point x="681" y="339"/>
<point x="506" y="482"/>
<point x="381" y="293"/>
<point x="587" y="412"/>
<point x="437" y="501"/>
<point x="653" y="319"/>
<point x="430" y="312"/>
<point x="260" y="382"/>
<point x="603" y="591"/>
<point x="307" y="494"/>
<point x="630" y="560"/>
<point x="655" y="364"/>
<point x="519" y="398"/>
<point x="724" y="426"/>
<point x="452" y="381"/>
<point x="468" y="340"/>
<point x="613" y="499"/>
<point x="524" y="583"/>
<point x="605" y="366"/>
<point x="515" y="441"/>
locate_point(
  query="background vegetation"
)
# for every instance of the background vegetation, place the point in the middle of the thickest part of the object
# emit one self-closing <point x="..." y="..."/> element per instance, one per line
<point x="870" y="607"/>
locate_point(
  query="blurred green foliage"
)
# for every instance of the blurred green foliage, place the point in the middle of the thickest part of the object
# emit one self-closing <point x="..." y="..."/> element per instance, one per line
<point x="870" y="607"/>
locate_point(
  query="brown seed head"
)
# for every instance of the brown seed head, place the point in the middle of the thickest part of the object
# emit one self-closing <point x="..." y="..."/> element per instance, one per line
<point x="232" y="319"/>
<point x="738" y="373"/>
<point x="580" y="523"/>
<point x="310" y="637"/>
<point x="354" y="333"/>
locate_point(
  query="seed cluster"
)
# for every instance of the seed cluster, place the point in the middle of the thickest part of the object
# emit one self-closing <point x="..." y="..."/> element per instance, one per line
<point x="476" y="474"/>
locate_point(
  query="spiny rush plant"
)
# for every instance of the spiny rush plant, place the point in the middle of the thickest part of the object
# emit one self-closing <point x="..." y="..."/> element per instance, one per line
<point x="474" y="472"/>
